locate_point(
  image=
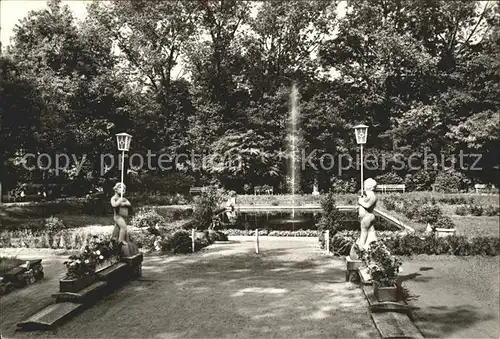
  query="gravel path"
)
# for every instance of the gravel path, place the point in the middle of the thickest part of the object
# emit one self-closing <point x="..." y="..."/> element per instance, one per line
<point x="290" y="290"/>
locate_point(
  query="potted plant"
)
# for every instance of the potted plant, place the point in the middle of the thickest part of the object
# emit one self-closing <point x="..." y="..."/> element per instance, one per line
<point x="444" y="227"/>
<point x="383" y="269"/>
<point x="80" y="272"/>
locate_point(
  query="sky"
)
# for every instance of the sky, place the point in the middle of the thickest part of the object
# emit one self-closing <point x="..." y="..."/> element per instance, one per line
<point x="11" y="11"/>
<point x="14" y="10"/>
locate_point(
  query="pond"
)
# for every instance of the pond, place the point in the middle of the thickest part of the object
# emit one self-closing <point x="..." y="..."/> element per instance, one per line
<point x="299" y="220"/>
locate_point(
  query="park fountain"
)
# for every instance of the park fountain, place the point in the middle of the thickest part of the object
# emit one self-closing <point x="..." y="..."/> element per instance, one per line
<point x="293" y="139"/>
<point x="293" y="144"/>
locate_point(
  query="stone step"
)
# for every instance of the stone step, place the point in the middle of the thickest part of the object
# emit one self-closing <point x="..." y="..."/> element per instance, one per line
<point x="50" y="316"/>
<point x="384" y="306"/>
<point x="395" y="325"/>
<point x="88" y="294"/>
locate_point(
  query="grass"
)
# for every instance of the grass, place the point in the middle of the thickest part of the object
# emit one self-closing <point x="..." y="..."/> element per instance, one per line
<point x="470" y="226"/>
<point x="455" y="297"/>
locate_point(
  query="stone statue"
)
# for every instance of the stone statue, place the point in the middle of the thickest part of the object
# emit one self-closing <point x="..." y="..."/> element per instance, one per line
<point x="121" y="207"/>
<point x="367" y="202"/>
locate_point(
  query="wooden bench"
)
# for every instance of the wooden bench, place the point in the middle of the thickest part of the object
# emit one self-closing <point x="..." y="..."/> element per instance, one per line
<point x="196" y="190"/>
<point x="269" y="190"/>
<point x="480" y="187"/>
<point x="384" y="188"/>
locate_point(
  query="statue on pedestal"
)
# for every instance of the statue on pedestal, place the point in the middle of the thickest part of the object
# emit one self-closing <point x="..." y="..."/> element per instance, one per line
<point x="315" y="188"/>
<point x="367" y="202"/>
<point x="121" y="207"/>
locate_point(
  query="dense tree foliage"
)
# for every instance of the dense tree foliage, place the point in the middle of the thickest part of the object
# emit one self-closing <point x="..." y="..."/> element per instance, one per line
<point x="213" y="78"/>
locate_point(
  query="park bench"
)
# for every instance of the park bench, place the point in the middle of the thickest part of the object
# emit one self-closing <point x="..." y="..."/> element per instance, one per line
<point x="263" y="190"/>
<point x="384" y="188"/>
<point x="196" y="190"/>
<point x="481" y="188"/>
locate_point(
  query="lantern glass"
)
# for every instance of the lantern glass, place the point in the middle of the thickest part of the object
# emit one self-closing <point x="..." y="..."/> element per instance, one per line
<point x="123" y="141"/>
<point x="361" y="132"/>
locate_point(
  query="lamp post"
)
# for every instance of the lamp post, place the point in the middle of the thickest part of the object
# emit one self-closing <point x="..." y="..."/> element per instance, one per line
<point x="361" y="132"/>
<point x="123" y="142"/>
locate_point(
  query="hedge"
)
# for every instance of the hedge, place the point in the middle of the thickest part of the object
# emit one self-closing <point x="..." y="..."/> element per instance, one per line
<point x="412" y="244"/>
<point x="272" y="233"/>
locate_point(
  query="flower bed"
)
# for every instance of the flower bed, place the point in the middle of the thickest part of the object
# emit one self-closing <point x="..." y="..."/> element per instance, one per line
<point x="477" y="210"/>
<point x="84" y="264"/>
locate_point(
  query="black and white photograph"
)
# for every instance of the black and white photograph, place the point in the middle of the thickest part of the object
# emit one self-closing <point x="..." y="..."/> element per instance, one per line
<point x="249" y="169"/>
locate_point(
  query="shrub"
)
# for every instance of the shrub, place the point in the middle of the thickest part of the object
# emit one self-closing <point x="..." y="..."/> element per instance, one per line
<point x="205" y="207"/>
<point x="177" y="242"/>
<point x="428" y="214"/>
<point x="341" y="186"/>
<point x="390" y="203"/>
<point x="491" y="210"/>
<point x="450" y="181"/>
<point x="389" y="178"/>
<point x="331" y="218"/>
<point x="53" y="224"/>
<point x="453" y="200"/>
<point x="412" y="244"/>
<point x="147" y="217"/>
<point x="444" y="221"/>
<point x="461" y="210"/>
<point x="485" y="246"/>
<point x="459" y="245"/>
<point x="476" y="210"/>
<point x="421" y="180"/>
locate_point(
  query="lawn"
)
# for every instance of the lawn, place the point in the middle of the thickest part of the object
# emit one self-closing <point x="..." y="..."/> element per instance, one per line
<point x="470" y="226"/>
<point x="455" y="297"/>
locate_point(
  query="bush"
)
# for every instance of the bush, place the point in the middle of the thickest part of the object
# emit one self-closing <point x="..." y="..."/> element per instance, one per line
<point x="273" y="233"/>
<point x="147" y="217"/>
<point x="491" y="210"/>
<point x="450" y="181"/>
<point x="177" y="242"/>
<point x="341" y="186"/>
<point x="389" y="178"/>
<point x="421" y="180"/>
<point x="461" y="210"/>
<point x="476" y="210"/>
<point x="428" y="214"/>
<point x="487" y="246"/>
<point x="444" y="221"/>
<point x="412" y="244"/>
<point x="205" y="207"/>
<point x="390" y="203"/>
<point x="331" y="218"/>
<point x="453" y="200"/>
<point x="53" y="224"/>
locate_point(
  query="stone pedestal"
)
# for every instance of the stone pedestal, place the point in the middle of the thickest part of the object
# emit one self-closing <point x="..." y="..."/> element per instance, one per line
<point x="352" y="267"/>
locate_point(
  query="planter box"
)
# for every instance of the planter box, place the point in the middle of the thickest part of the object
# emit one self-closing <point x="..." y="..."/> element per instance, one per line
<point x="444" y="232"/>
<point x="352" y="264"/>
<point x="75" y="285"/>
<point x="385" y="293"/>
